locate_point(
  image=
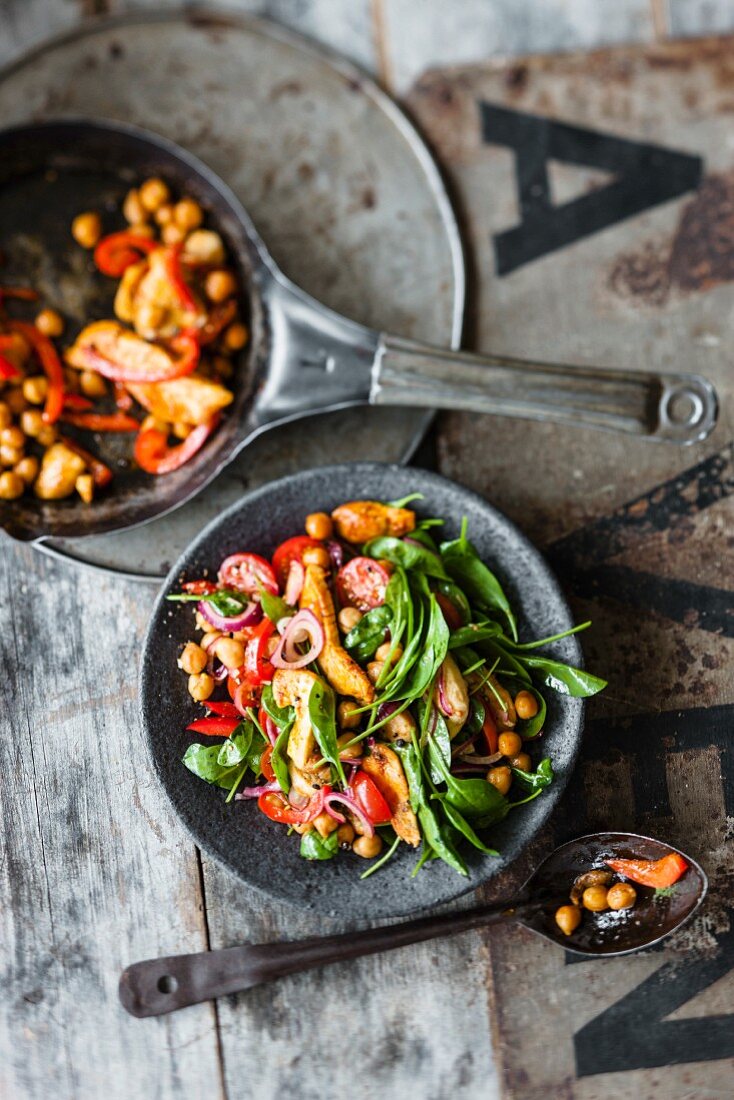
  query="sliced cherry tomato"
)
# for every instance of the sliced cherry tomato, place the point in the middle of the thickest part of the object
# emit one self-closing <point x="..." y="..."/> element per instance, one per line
<point x="153" y="454"/>
<point x="51" y="364"/>
<point x="450" y="612"/>
<point x="258" y="667"/>
<point x="265" y="766"/>
<point x="491" y="736"/>
<point x="248" y="573"/>
<point x="101" y="422"/>
<point x="242" y="691"/>
<point x="370" y="799"/>
<point x="288" y="551"/>
<point x="101" y="474"/>
<point x="277" y="808"/>
<point x="199" y="588"/>
<point x="362" y="582"/>
<point x="215" y="727"/>
<point x="657" y="873"/>
<point x="118" y="251"/>
<point x="225" y="710"/>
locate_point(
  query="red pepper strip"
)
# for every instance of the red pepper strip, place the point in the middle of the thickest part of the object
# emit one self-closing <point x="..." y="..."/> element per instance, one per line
<point x="657" y="873"/>
<point x="8" y="369"/>
<point x="116" y="252"/>
<point x="123" y="399"/>
<point x="489" y="729"/>
<point x="215" y="727"/>
<point x="219" y="317"/>
<point x="188" y="351"/>
<point x="185" y="344"/>
<point x="101" y="422"/>
<point x="23" y="293"/>
<point x="199" y="588"/>
<point x="224" y="710"/>
<point x="76" y="401"/>
<point x="101" y="474"/>
<point x="258" y="668"/>
<point x="175" y="275"/>
<point x="153" y="454"/>
<point x="51" y="364"/>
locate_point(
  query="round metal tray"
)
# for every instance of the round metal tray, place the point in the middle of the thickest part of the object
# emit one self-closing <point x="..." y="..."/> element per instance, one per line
<point x="337" y="180"/>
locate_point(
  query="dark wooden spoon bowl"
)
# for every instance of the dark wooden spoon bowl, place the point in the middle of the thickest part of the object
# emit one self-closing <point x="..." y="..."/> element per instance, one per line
<point x="158" y="986"/>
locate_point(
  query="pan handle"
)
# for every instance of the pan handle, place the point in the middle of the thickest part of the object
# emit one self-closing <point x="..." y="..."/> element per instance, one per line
<point x="674" y="408"/>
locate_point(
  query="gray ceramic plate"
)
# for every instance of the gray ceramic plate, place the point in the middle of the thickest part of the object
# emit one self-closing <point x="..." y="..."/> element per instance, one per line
<point x="255" y="849"/>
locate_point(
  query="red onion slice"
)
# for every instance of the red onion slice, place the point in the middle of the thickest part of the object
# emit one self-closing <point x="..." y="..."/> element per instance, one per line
<point x="444" y="705"/>
<point x="304" y="625"/>
<point x="294" y="584"/>
<point x="353" y="806"/>
<point x="336" y="553"/>
<point x="270" y="729"/>
<point x="252" y="614"/>
<point x="255" y="792"/>
<point x="385" y="710"/>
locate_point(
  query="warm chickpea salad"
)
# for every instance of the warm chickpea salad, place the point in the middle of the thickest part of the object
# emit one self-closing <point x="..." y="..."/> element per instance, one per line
<point x="610" y="888"/>
<point x="366" y="687"/>
<point x="159" y="370"/>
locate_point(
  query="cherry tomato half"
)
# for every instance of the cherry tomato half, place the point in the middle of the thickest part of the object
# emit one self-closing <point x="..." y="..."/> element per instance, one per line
<point x="362" y="582"/>
<point x="248" y="573"/>
<point x="277" y="808"/>
<point x="265" y="766"/>
<point x="370" y="799"/>
<point x="288" y="551"/>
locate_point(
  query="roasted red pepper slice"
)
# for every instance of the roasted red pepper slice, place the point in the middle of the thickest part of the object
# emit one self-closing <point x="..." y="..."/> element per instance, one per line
<point x="215" y="727"/>
<point x="176" y="277"/>
<point x="102" y="422"/>
<point x="118" y="251"/>
<point x="258" y="667"/>
<point x="51" y="364"/>
<point x="223" y="709"/>
<point x="8" y="369"/>
<point x="491" y="736"/>
<point x="265" y="766"/>
<point x="657" y="873"/>
<point x="153" y="454"/>
<point x="101" y="474"/>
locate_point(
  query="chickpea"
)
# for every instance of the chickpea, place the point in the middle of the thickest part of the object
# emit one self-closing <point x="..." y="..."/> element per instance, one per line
<point x="568" y="918"/>
<point x="47" y="435"/>
<point x="621" y="896"/>
<point x="374" y="668"/>
<point x="526" y="704"/>
<point x="348" y="618"/>
<point x="205" y="246"/>
<point x="153" y="193"/>
<point x="50" y="323"/>
<point x="16" y="400"/>
<point x="521" y="761"/>
<point x="201" y="623"/>
<point x="353" y="752"/>
<point x="164" y="214"/>
<point x="11" y="485"/>
<point x="181" y="430"/>
<point x="594" y="898"/>
<point x="230" y="652"/>
<point x="501" y="778"/>
<point x="153" y="424"/>
<point x="220" y="285"/>
<point x="383" y="653"/>
<point x="509" y="744"/>
<point x="84" y="486"/>
<point x="92" y="384"/>
<point x="201" y="685"/>
<point x="188" y="214"/>
<point x="12" y="437"/>
<point x="27" y="468"/>
<point x="35" y="389"/>
<point x="133" y="210"/>
<point x="86" y="229"/>
<point x="317" y="555"/>
<point x="173" y="234"/>
<point x="6" y="417"/>
<point x="345" y="835"/>
<point x="348" y="719"/>
<point x="193" y="658"/>
<point x="236" y="336"/>
<point x="142" y="229"/>
<point x="367" y="846"/>
<point x="319" y="525"/>
<point x="10" y="456"/>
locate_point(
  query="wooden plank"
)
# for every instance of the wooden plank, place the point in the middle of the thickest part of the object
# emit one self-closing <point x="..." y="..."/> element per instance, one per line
<point x="95" y="872"/>
<point x="25" y="22"/>
<point x="432" y="33"/>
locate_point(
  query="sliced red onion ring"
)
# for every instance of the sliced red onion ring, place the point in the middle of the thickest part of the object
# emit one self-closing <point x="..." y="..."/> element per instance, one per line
<point x="385" y="710"/>
<point x="252" y="614"/>
<point x="481" y="761"/>
<point x="220" y="673"/>
<point x="353" y="806"/>
<point x="444" y="705"/>
<point x="270" y="729"/>
<point x="468" y="769"/>
<point x="304" y="625"/>
<point x="255" y="792"/>
<point x="282" y="624"/>
<point x="294" y="584"/>
<point x="336" y="553"/>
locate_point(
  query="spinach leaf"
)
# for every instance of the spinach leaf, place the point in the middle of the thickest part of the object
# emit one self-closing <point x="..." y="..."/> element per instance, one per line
<point x="565" y="679"/>
<point x="369" y="633"/>
<point x="477" y="714"/>
<point x="225" y="601"/>
<point x="234" y="750"/>
<point x="407" y="554"/>
<point x="420" y="534"/>
<point x="316" y="846"/>
<point x="459" y="822"/>
<point x="321" y="713"/>
<point x="278" y="759"/>
<point x="464" y="566"/>
<point x="275" y="607"/>
<point x="478" y="800"/>
<point x="539" y="779"/>
<point x="473" y="633"/>
<point x="531" y="727"/>
<point x="438" y="836"/>
<point x="202" y="760"/>
<point x="452" y="592"/>
<point x="433" y="720"/>
<point x="435" y="646"/>
<point x="282" y="716"/>
<point x="508" y="662"/>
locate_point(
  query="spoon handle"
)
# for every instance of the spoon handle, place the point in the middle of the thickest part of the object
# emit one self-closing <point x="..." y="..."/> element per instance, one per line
<point x="157" y="986"/>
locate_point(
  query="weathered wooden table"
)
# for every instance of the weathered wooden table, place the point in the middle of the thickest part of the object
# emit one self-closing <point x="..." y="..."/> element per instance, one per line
<point x="94" y="870"/>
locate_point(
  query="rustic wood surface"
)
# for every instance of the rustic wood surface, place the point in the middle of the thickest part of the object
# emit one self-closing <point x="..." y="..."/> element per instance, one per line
<point x="95" y="871"/>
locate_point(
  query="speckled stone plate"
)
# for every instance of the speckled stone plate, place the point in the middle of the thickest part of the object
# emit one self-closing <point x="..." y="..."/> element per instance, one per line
<point x="238" y="835"/>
